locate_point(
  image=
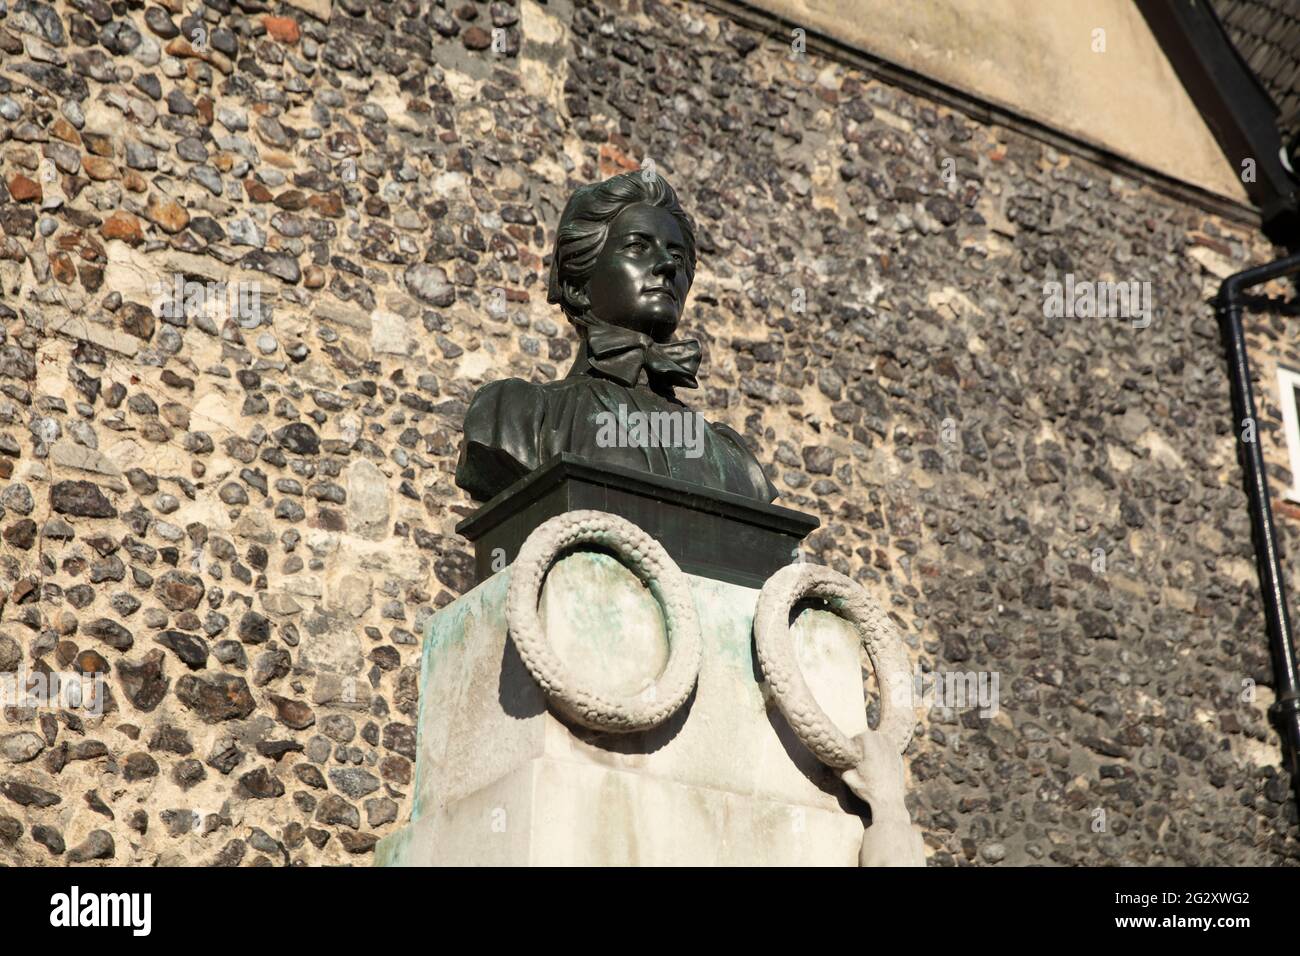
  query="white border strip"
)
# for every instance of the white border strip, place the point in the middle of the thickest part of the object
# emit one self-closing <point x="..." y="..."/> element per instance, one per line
<point x="1288" y="384"/>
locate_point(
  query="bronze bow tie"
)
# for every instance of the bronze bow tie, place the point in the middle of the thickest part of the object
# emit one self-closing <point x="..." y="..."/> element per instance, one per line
<point x="620" y="354"/>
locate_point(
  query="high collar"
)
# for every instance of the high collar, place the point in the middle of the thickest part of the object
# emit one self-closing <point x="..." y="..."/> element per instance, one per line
<point x="635" y="360"/>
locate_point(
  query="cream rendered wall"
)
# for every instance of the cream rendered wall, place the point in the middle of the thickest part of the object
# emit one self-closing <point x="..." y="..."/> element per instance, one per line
<point x="1036" y="58"/>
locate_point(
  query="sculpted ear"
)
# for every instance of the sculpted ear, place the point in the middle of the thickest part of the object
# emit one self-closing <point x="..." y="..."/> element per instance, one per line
<point x="575" y="296"/>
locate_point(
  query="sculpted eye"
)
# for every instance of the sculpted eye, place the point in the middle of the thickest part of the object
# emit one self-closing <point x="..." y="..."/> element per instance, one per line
<point x="635" y="244"/>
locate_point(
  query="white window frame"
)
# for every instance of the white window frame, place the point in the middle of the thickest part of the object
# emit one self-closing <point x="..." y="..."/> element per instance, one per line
<point x="1288" y="381"/>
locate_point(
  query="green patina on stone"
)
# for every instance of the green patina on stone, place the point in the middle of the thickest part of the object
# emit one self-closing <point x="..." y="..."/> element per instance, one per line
<point x="487" y="739"/>
<point x="450" y="627"/>
<point x="726" y="613"/>
<point x="605" y="624"/>
<point x="727" y="619"/>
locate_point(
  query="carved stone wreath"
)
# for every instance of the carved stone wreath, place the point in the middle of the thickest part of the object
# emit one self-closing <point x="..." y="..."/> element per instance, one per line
<point x="644" y="557"/>
<point x="776" y="654"/>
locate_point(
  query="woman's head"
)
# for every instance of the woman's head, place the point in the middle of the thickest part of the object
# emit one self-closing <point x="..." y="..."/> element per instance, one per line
<point x="624" y="255"/>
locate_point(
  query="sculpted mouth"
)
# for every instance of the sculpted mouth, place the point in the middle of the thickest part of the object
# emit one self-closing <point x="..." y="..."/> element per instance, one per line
<point x="660" y="290"/>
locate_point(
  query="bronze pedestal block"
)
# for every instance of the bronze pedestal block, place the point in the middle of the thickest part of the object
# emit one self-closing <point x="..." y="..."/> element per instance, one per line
<point x="708" y="532"/>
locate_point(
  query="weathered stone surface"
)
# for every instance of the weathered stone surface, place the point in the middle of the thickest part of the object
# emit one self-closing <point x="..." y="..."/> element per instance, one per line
<point x="144" y="683"/>
<point x="216" y="697"/>
<point x="334" y="810"/>
<point x="254" y="628"/>
<point x="188" y="773"/>
<point x="139" y="766"/>
<point x="429" y="284"/>
<point x="309" y="775"/>
<point x="81" y="498"/>
<point x="284" y="29"/>
<point x="49" y="838"/>
<point x="678" y="783"/>
<point x="81" y="458"/>
<point x="331" y="645"/>
<point x="21" y="746"/>
<point x="124" y="226"/>
<point x="138" y="320"/>
<point x="21" y="534"/>
<point x="320" y="9"/>
<point x="400" y="738"/>
<point x="110" y="632"/>
<point x="357" y="842"/>
<point x="192" y="650"/>
<point x="90" y="662"/>
<point x="292" y="713"/>
<point x="28" y="795"/>
<point x="281" y="266"/>
<point x="367" y="500"/>
<point x="171" y="739"/>
<point x="271" y="665"/>
<point x="11" y="653"/>
<point x="98" y="845"/>
<point x="1018" y="490"/>
<point x="179" y="590"/>
<point x="298" y="439"/>
<point x="380" y="811"/>
<point x="11" y="828"/>
<point x="78" y="328"/>
<point x="24" y="189"/>
<point x="261" y="785"/>
<point x="166" y="213"/>
<point x="353" y="782"/>
<point x="18" y="497"/>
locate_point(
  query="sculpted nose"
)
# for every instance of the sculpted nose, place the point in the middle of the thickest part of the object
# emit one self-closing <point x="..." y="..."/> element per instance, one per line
<point x="665" y="265"/>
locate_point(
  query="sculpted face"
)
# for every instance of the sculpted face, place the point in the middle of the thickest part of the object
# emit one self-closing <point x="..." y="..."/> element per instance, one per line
<point x="642" y="275"/>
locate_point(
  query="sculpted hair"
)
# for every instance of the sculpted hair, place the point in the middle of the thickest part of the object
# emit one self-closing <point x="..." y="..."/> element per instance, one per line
<point x="584" y="226"/>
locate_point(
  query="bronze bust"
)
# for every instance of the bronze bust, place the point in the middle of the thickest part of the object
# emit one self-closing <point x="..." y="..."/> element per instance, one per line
<point x="622" y="267"/>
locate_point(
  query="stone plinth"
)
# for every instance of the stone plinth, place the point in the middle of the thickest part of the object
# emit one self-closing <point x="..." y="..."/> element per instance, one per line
<point x="501" y="780"/>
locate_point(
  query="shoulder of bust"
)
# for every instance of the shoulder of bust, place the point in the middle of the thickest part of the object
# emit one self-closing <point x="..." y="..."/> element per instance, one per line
<point x="502" y="388"/>
<point x="763" y="487"/>
<point x="723" y="430"/>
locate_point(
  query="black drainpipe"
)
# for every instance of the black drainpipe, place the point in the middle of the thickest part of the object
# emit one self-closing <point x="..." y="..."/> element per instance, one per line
<point x="1286" y="710"/>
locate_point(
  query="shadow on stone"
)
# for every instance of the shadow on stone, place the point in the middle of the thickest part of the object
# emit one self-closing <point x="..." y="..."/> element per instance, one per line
<point x="522" y="698"/>
<point x="646" y="742"/>
<point x="817" y="773"/>
<point x="518" y="693"/>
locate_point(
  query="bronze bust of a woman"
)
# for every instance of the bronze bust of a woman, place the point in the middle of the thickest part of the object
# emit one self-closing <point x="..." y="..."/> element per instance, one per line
<point x="622" y="267"/>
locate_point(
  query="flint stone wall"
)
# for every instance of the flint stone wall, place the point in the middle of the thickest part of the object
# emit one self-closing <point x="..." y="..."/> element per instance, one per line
<point x="246" y="522"/>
